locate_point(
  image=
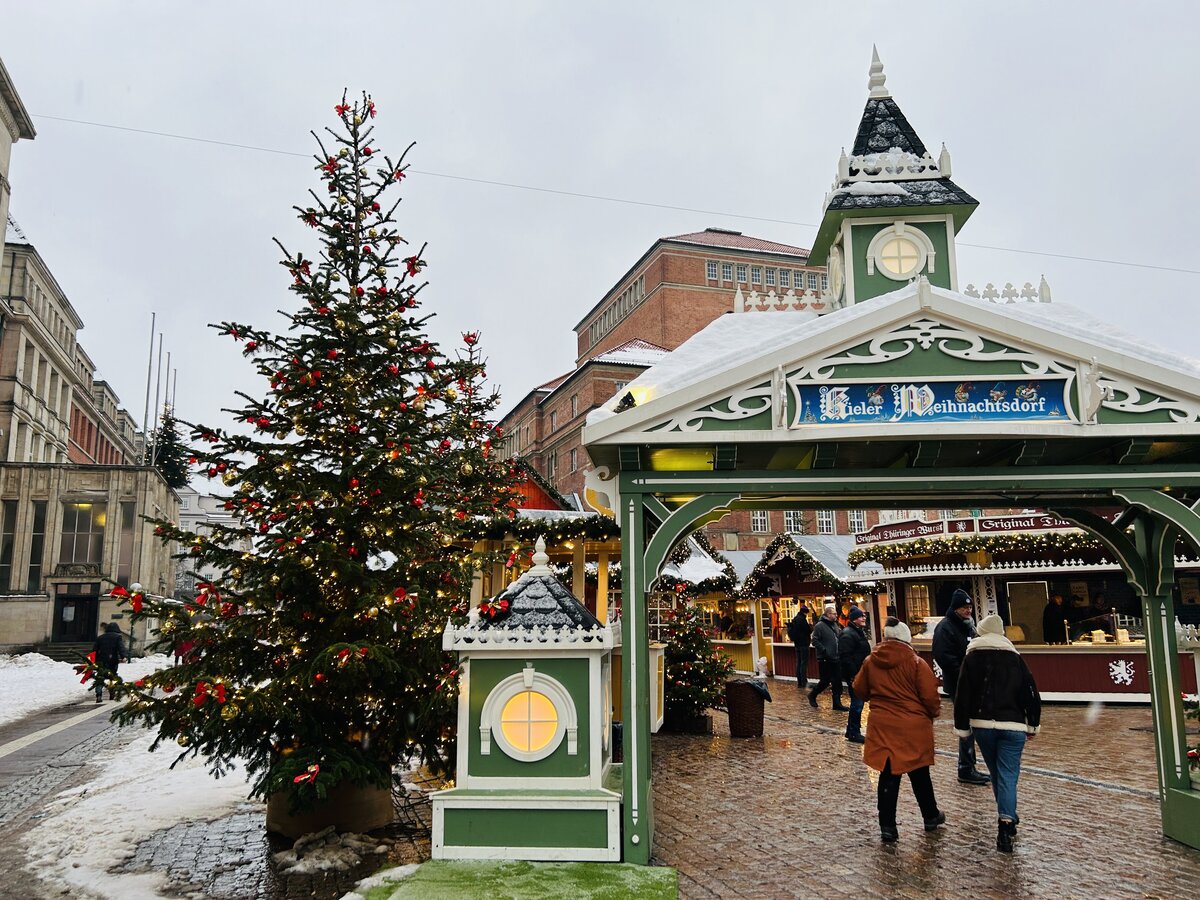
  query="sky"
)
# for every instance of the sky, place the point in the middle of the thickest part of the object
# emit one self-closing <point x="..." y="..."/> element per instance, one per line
<point x="1069" y="122"/>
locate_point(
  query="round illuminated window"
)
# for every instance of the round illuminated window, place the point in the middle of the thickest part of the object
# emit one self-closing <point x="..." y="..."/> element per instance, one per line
<point x="900" y="258"/>
<point x="529" y="721"/>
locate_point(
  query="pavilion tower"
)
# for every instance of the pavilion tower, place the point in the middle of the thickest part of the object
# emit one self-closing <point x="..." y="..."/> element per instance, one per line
<point x="893" y="212"/>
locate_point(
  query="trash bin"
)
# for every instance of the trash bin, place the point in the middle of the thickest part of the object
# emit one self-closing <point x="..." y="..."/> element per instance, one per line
<point x="745" y="703"/>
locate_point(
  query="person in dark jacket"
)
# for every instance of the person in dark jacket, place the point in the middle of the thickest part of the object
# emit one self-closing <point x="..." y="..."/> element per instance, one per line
<point x="950" y="640"/>
<point x="998" y="702"/>
<point x="800" y="633"/>
<point x="853" y="650"/>
<point x="110" y="650"/>
<point x="825" y="642"/>
<point x="1054" y="621"/>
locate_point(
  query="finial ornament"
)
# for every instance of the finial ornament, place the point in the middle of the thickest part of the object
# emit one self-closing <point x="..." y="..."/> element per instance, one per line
<point x="540" y="559"/>
<point x="876" y="81"/>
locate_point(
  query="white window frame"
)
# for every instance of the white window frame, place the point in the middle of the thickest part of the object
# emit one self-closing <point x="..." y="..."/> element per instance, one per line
<point x="926" y="255"/>
<point x="741" y="273"/>
<point x="770" y="282"/>
<point x="793" y="521"/>
<point x="857" y="520"/>
<point x="756" y="274"/>
<point x="760" y="521"/>
<point x="574" y="405"/>
<point x="574" y="459"/>
<point x="553" y="419"/>
<point x="826" y="523"/>
<point x="727" y="271"/>
<point x="812" y="281"/>
<point x="710" y="269"/>
<point x="785" y="278"/>
<point x="528" y="679"/>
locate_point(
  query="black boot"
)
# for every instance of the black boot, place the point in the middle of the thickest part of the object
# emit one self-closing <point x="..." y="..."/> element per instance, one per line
<point x="812" y="699"/>
<point x="1005" y="832"/>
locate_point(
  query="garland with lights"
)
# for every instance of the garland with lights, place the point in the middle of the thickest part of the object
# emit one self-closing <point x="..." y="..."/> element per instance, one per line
<point x="695" y="671"/>
<point x="1043" y="542"/>
<point x="314" y="657"/>
<point x="590" y="527"/>
<point x="785" y="547"/>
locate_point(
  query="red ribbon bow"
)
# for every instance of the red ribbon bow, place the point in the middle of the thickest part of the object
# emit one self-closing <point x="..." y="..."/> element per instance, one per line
<point x="310" y="775"/>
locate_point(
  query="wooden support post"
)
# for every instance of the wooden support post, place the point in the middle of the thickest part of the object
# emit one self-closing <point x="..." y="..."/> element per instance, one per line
<point x="602" y="587"/>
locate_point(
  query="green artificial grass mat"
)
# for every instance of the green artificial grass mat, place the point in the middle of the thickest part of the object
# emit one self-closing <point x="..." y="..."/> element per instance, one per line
<point x="471" y="880"/>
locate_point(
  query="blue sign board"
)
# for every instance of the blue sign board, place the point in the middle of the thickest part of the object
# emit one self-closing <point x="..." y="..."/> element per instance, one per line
<point x="1002" y="400"/>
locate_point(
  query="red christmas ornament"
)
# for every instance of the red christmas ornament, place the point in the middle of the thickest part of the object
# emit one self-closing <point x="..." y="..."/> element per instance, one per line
<point x="319" y="677"/>
<point x="470" y="338"/>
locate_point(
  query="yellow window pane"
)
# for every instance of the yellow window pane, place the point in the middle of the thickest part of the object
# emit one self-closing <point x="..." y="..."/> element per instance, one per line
<point x="541" y="709"/>
<point x="516" y="709"/>
<point x="517" y="734"/>
<point x="540" y="734"/>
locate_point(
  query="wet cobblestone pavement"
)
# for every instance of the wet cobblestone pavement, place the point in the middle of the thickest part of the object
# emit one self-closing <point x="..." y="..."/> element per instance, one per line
<point x="792" y="814"/>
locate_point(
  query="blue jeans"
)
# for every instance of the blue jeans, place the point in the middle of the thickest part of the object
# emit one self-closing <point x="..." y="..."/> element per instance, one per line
<point x="1002" y="752"/>
<point x="854" y="718"/>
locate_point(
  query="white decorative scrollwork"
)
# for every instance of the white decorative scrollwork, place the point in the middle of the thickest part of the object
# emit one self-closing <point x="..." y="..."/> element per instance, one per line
<point x="741" y="405"/>
<point x="926" y="333"/>
<point x="1122" y="396"/>
<point x="473" y="635"/>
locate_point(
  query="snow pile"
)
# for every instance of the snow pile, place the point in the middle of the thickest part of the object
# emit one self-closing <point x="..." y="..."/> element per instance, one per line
<point x="386" y="877"/>
<point x="98" y="825"/>
<point x="327" y="850"/>
<point x="871" y="188"/>
<point x="31" y="682"/>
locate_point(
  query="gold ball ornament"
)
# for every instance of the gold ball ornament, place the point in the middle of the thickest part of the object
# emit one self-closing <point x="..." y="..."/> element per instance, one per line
<point x="343" y="153"/>
<point x="183" y="740"/>
<point x="229" y="712"/>
<point x="451" y="394"/>
<point x="447" y="540"/>
<point x="466" y="468"/>
<point x="307" y="562"/>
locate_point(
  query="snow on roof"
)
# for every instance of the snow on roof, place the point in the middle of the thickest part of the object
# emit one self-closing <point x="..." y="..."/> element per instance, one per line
<point x="831" y="550"/>
<point x="732" y="340"/>
<point x="556" y="515"/>
<point x="872" y="187"/>
<point x="932" y="192"/>
<point x="743" y="562"/>
<point x="735" y="240"/>
<point x="632" y="353"/>
<point x="695" y="568"/>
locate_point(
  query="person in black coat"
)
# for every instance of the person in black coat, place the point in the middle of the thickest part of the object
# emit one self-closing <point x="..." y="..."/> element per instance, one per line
<point x="950" y="640"/>
<point x="800" y="633"/>
<point x="110" y="650"/>
<point x="853" y="650"/>
<point x="825" y="642"/>
<point x="1054" y="621"/>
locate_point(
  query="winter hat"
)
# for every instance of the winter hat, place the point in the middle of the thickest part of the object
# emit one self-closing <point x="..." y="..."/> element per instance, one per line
<point x="895" y="630"/>
<point x="992" y="624"/>
<point x="856" y="613"/>
<point x="960" y="599"/>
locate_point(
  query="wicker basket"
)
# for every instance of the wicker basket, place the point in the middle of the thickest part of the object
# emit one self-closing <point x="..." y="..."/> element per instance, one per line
<point x="745" y="706"/>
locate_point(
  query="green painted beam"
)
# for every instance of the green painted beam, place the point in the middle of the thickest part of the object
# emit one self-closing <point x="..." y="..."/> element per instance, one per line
<point x="1133" y="451"/>
<point x="725" y="457"/>
<point x="631" y="458"/>
<point x="1031" y="453"/>
<point x="636" y="810"/>
<point x="825" y="455"/>
<point x="926" y="454"/>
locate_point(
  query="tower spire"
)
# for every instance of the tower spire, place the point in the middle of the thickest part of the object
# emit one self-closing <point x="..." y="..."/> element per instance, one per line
<point x="876" y="81"/>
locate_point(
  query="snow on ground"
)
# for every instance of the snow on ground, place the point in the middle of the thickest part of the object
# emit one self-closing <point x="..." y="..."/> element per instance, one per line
<point x="32" y="682"/>
<point x="134" y="793"/>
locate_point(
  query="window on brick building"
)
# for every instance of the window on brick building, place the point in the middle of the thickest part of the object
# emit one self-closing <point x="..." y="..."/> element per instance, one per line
<point x="824" y="281"/>
<point x="551" y="463"/>
<point x="770" y="277"/>
<point x="785" y="278"/>
<point x="824" y="521"/>
<point x="710" y="268"/>
<point x="574" y="405"/>
<point x="799" y="280"/>
<point x="619" y="385"/>
<point x="727" y="271"/>
<point x="858" y="521"/>
<point x="812" y="281"/>
<point x="759" y="521"/>
<point x="793" y="521"/>
<point x="741" y="270"/>
<point x="756" y="274"/>
<point x="574" y="459"/>
<point x="553" y="419"/>
<point x="947" y="513"/>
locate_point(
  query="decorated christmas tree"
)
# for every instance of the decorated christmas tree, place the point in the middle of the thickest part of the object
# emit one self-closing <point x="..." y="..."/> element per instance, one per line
<point x="315" y="657"/>
<point x="167" y="453"/>
<point x="696" y="671"/>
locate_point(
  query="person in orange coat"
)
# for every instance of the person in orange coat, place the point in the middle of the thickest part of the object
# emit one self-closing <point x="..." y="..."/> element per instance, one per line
<point x="903" y="694"/>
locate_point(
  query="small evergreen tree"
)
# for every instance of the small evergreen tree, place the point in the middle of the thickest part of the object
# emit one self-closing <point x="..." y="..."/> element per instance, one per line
<point x="167" y="452"/>
<point x="696" y="671"/>
<point x="315" y="657"/>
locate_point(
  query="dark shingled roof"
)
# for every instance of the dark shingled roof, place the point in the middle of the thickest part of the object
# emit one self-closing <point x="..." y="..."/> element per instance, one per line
<point x="883" y="127"/>
<point x="541" y="601"/>
<point x="935" y="192"/>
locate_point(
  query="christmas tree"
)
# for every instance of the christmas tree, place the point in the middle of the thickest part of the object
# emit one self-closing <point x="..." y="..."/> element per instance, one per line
<point x="167" y="453"/>
<point x="315" y="657"/>
<point x="696" y="671"/>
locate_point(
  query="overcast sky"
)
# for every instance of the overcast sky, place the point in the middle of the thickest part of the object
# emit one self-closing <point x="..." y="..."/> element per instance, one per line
<point x="1073" y="124"/>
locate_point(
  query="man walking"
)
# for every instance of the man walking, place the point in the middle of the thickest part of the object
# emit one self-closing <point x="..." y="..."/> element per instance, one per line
<point x="853" y="650"/>
<point x="800" y="633"/>
<point x="109" y="650"/>
<point x="825" y="641"/>
<point x="950" y="640"/>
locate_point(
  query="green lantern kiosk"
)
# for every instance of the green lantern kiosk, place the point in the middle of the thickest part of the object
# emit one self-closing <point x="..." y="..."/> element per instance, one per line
<point x="535" y="774"/>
